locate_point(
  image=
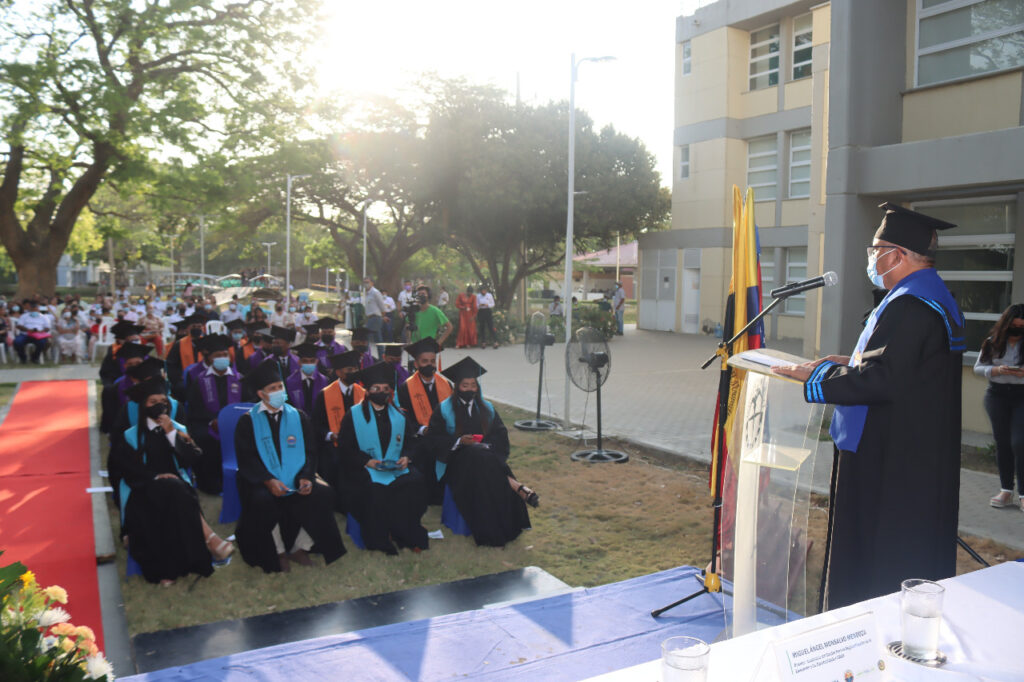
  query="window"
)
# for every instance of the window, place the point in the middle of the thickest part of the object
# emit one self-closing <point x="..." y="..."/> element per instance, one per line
<point x="762" y="167"/>
<point x="959" y="38"/>
<point x="684" y="162"/>
<point x="687" y="66"/>
<point x="800" y="164"/>
<point x="764" y="58"/>
<point x="802" y="49"/>
<point x="976" y="259"/>
<point x="796" y="271"/>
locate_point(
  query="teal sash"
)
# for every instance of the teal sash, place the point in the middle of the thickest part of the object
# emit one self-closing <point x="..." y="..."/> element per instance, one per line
<point x="293" y="445"/>
<point x="133" y="410"/>
<point x="369" y="441"/>
<point x="131" y="436"/>
<point x="448" y="412"/>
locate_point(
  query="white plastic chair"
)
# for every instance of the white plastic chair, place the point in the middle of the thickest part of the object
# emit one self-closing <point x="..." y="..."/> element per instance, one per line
<point x="106" y="339"/>
<point x="216" y="327"/>
<point x="3" y="351"/>
<point x="168" y="333"/>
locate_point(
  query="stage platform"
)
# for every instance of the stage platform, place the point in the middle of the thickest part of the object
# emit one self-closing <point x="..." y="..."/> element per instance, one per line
<point x="568" y="636"/>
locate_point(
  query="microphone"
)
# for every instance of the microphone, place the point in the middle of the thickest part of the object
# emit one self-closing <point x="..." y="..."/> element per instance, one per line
<point x="826" y="280"/>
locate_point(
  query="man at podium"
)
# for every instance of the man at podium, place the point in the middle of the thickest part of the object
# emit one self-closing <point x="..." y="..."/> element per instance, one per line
<point x="896" y="473"/>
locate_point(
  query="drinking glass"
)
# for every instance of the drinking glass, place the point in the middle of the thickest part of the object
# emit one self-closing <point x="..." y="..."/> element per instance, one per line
<point x="684" y="659"/>
<point x="921" y="612"/>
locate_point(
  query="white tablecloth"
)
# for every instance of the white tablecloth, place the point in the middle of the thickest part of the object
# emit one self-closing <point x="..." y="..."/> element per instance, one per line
<point x="982" y="635"/>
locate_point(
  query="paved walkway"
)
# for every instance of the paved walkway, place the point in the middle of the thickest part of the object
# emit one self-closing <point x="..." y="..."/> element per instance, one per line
<point x="656" y="396"/>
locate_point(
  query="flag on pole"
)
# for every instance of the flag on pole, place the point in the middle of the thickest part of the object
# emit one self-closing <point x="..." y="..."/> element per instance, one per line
<point x="743" y="304"/>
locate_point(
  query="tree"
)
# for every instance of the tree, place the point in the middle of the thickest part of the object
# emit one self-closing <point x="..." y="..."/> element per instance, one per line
<point x="89" y="89"/>
<point x="504" y="170"/>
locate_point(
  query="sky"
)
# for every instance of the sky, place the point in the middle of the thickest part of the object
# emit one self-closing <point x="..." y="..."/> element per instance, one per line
<point x="377" y="47"/>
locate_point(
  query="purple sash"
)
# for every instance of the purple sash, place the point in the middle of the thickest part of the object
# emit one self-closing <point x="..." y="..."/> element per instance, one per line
<point x="293" y="384"/>
<point x="257" y="357"/>
<point x="208" y="389"/>
<point x="323" y="351"/>
<point x="123" y="384"/>
<point x="401" y="374"/>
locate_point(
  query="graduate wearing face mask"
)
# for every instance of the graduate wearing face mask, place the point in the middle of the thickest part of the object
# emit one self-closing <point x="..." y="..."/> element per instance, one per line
<point x="361" y="342"/>
<point x="214" y="386"/>
<point x="183" y="352"/>
<point x="288" y="362"/>
<point x="285" y="511"/>
<point x="241" y="349"/>
<point x="419" y="396"/>
<point x="326" y="344"/>
<point x="304" y="385"/>
<point x="112" y="367"/>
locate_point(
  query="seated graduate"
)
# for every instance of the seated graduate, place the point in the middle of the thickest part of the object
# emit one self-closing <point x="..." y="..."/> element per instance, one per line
<point x="150" y="369"/>
<point x="287" y="361"/>
<point x="310" y="332"/>
<point x="384" y="494"/>
<point x="115" y="396"/>
<point x="285" y="509"/>
<point x="326" y="345"/>
<point x="215" y="386"/>
<point x="160" y="516"/>
<point x="472" y="448"/>
<point x="393" y="356"/>
<point x="361" y="343"/>
<point x="241" y="349"/>
<point x="329" y="408"/>
<point x="183" y="353"/>
<point x="112" y="367"/>
<point x="419" y="396"/>
<point x="305" y="385"/>
<point x="262" y="341"/>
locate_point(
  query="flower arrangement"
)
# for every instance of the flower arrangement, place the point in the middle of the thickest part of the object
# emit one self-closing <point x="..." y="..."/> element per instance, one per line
<point x="37" y="641"/>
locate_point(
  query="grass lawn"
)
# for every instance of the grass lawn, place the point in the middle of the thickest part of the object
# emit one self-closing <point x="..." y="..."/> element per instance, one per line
<point x="6" y="393"/>
<point x="596" y="524"/>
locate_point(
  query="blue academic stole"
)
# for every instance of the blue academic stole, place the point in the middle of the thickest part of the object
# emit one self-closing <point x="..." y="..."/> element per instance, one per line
<point x="368" y="439"/>
<point x="848" y="421"/>
<point x="293" y="445"/>
<point x="131" y="436"/>
<point x="448" y="412"/>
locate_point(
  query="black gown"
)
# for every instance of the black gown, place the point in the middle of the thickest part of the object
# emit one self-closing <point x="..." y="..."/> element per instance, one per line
<point x="424" y="457"/>
<point x="478" y="476"/>
<point x="385" y="513"/>
<point x="895" y="502"/>
<point x="162" y="517"/>
<point x="110" y="367"/>
<point x="329" y="460"/>
<point x="261" y="511"/>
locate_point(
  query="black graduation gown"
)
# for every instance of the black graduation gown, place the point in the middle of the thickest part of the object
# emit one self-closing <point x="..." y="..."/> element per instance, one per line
<point x="162" y="517"/>
<point x="424" y="457"/>
<point x="110" y="368"/>
<point x="329" y="460"/>
<point x="895" y="501"/>
<point x="210" y="468"/>
<point x="478" y="476"/>
<point x="110" y="403"/>
<point x="384" y="512"/>
<point x="261" y="511"/>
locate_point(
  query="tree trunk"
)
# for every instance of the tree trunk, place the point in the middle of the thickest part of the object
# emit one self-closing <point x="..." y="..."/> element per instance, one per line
<point x="37" y="274"/>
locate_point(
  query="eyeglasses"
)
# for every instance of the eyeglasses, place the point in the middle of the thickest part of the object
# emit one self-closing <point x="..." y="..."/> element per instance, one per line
<point x="876" y="251"/>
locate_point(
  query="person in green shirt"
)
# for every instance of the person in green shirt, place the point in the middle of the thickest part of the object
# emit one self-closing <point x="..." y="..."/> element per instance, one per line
<point x="430" y="320"/>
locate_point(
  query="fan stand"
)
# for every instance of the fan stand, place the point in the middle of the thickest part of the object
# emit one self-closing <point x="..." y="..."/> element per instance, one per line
<point x="537" y="424"/>
<point x="599" y="455"/>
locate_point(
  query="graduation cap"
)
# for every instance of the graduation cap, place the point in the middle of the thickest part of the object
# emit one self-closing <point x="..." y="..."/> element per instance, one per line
<point x="148" y="369"/>
<point x="123" y="330"/>
<point x="194" y="318"/>
<point x="264" y="374"/>
<point x="361" y="334"/>
<point x="256" y="329"/>
<point x="133" y="350"/>
<point x="328" y="323"/>
<point x="282" y="333"/>
<point x="235" y="324"/>
<point x="139" y="392"/>
<point x="312" y="328"/>
<point x="391" y="349"/>
<point x="351" y="358"/>
<point x="380" y="373"/>
<point x="909" y="229"/>
<point x="212" y="343"/>
<point x="305" y="350"/>
<point x="425" y="345"/>
<point x="466" y="368"/>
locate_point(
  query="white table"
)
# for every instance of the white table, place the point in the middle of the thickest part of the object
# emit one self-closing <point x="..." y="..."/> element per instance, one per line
<point x="982" y="635"/>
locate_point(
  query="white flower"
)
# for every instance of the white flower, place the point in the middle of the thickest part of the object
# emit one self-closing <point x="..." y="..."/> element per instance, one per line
<point x="98" y="668"/>
<point x="47" y="643"/>
<point x="51" y="617"/>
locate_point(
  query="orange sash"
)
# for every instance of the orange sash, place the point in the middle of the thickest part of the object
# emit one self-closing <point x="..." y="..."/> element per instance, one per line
<point x="187" y="353"/>
<point x="334" y="401"/>
<point x="248" y="349"/>
<point x="421" y="401"/>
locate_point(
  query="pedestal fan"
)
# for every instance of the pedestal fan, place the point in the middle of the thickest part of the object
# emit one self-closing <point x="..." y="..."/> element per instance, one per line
<point x="588" y="362"/>
<point x="537" y="339"/>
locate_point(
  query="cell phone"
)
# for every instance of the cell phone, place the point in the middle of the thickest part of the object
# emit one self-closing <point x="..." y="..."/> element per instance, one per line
<point x="478" y="437"/>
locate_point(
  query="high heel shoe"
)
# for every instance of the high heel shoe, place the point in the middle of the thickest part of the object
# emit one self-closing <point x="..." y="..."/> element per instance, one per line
<point x="531" y="498"/>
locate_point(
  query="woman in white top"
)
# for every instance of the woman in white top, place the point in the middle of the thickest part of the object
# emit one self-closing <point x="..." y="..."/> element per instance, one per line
<point x="1001" y="361"/>
<point x="67" y="335"/>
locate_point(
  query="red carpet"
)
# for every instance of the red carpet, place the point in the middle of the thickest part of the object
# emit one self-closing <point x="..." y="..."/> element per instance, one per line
<point x="45" y="513"/>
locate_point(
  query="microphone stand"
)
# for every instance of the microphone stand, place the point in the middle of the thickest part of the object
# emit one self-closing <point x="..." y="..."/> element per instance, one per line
<point x="711" y="581"/>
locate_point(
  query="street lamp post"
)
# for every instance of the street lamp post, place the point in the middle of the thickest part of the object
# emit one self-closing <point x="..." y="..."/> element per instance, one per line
<point x="268" y="245"/>
<point x="567" y="288"/>
<point x="202" y="252"/>
<point x="288" y="236"/>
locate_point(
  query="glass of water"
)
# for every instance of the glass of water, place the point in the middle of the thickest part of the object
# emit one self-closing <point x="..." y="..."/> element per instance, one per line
<point x="921" y="611"/>
<point x="684" y="659"/>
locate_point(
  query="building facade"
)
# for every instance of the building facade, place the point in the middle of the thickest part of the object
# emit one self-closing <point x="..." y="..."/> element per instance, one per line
<point x="827" y="110"/>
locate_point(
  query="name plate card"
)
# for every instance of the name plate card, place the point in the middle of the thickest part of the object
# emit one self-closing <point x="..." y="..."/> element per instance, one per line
<point x="843" y="651"/>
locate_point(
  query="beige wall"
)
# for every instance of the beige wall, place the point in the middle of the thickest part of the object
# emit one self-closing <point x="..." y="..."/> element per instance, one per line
<point x="973" y="413"/>
<point x="798" y="93"/>
<point x="962" y="108"/>
<point x="795" y="211"/>
<point x="715" y="272"/>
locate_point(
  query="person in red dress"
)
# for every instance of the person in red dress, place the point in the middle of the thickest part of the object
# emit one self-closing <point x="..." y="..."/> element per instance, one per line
<point x="466" y="304"/>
